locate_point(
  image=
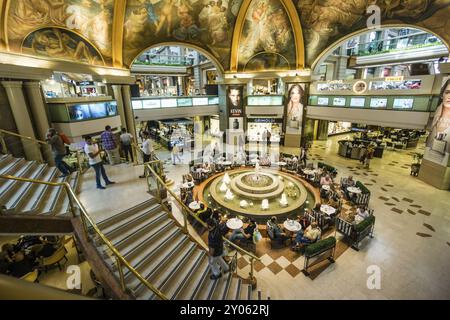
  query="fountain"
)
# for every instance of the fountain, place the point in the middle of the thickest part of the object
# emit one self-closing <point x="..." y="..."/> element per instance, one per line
<point x="243" y="204"/>
<point x="226" y="178"/>
<point x="265" y="204"/>
<point x="223" y="187"/>
<point x="229" y="195"/>
<point x="283" y="201"/>
<point x="257" y="167"/>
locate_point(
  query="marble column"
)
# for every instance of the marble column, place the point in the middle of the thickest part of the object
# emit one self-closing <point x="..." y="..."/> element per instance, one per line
<point x="128" y="108"/>
<point x="22" y="118"/>
<point x="117" y="90"/>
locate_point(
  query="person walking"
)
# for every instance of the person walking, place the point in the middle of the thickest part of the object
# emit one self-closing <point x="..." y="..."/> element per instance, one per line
<point x="303" y="155"/>
<point x="216" y="250"/>
<point x="110" y="146"/>
<point x="147" y="150"/>
<point x="126" y="140"/>
<point x="58" y="150"/>
<point x="176" y="153"/>
<point x="93" y="152"/>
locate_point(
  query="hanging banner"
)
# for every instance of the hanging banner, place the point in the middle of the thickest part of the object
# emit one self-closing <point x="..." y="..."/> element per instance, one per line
<point x="235" y="107"/>
<point x="294" y="108"/>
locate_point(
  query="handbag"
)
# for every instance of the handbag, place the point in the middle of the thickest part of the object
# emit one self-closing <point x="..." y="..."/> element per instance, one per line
<point x="256" y="236"/>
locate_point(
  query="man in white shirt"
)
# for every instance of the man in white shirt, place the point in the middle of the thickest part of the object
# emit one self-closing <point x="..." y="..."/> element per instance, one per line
<point x="147" y="149"/>
<point x="93" y="152"/>
<point x="176" y="153"/>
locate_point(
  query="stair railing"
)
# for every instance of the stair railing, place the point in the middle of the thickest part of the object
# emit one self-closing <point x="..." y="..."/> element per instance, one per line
<point x="43" y="146"/>
<point x="90" y="226"/>
<point x="155" y="171"/>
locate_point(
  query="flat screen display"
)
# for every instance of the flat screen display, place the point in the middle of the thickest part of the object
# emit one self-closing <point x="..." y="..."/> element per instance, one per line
<point x="378" y="102"/>
<point x="151" y="103"/>
<point x="403" y="103"/>
<point x="184" y="102"/>
<point x="169" y="103"/>
<point x="111" y="108"/>
<point x="339" y="101"/>
<point x="79" y="112"/>
<point x="321" y="101"/>
<point x="396" y="85"/>
<point x="213" y="100"/>
<point x="200" y="101"/>
<point x="98" y="110"/>
<point x="137" y="104"/>
<point x="265" y="101"/>
<point x="357" y="102"/>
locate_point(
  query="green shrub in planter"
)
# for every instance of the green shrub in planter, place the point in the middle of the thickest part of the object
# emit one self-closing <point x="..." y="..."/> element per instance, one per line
<point x="320" y="246"/>
<point x="362" y="187"/>
<point x="365" y="223"/>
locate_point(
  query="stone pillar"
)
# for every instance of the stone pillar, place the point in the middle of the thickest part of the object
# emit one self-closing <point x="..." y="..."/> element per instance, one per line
<point x="22" y="118"/>
<point x="117" y="91"/>
<point x="128" y="108"/>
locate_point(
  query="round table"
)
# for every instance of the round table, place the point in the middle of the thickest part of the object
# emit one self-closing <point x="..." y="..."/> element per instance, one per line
<point x="326" y="187"/>
<point x="309" y="172"/>
<point x="187" y="185"/>
<point x="225" y="163"/>
<point x="194" y="205"/>
<point x="234" y="223"/>
<point x="329" y="210"/>
<point x="281" y="163"/>
<point x="292" y="225"/>
<point x="254" y="160"/>
<point x="354" y="190"/>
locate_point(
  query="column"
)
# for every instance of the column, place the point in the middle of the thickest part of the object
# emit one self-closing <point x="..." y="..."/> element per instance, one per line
<point x="128" y="108"/>
<point x="117" y="90"/>
<point x="39" y="114"/>
<point x="22" y="118"/>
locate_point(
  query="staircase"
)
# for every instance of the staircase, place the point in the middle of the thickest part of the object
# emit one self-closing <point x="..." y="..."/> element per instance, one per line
<point x="156" y="247"/>
<point x="26" y="198"/>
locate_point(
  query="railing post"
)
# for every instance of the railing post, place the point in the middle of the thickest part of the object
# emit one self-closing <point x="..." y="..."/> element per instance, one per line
<point x="122" y="280"/>
<point x="185" y="221"/>
<point x="252" y="277"/>
<point x="3" y="144"/>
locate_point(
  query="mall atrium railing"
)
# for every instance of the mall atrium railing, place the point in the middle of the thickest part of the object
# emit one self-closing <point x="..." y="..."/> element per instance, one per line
<point x="157" y="187"/>
<point x="93" y="232"/>
<point x="31" y="148"/>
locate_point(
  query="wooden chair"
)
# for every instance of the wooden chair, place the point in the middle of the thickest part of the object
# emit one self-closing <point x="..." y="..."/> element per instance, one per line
<point x="31" y="276"/>
<point x="55" y="258"/>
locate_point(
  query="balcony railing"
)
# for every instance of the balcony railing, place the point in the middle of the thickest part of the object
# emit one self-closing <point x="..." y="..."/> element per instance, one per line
<point x="164" y="60"/>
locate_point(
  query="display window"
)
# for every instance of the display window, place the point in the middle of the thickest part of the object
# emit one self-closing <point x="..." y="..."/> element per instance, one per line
<point x="256" y="129"/>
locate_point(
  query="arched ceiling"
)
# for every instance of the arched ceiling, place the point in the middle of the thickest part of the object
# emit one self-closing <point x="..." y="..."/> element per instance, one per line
<point x="242" y="35"/>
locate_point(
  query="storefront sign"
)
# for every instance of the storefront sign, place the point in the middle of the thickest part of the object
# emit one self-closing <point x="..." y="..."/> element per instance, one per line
<point x="400" y="78"/>
<point x="85" y="83"/>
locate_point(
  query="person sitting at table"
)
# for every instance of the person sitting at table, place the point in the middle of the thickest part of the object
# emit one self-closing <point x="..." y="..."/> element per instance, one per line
<point x="333" y="199"/>
<point x="21" y="265"/>
<point x="326" y="180"/>
<point x="244" y="234"/>
<point x="310" y="235"/>
<point x="361" y="214"/>
<point x="188" y="197"/>
<point x="276" y="229"/>
<point x="188" y="178"/>
<point x="8" y="248"/>
<point x="204" y="213"/>
<point x="50" y="245"/>
<point x="5" y="262"/>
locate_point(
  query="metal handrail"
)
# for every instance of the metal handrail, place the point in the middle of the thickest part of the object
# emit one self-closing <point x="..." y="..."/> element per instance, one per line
<point x="85" y="216"/>
<point x="178" y="200"/>
<point x="22" y="136"/>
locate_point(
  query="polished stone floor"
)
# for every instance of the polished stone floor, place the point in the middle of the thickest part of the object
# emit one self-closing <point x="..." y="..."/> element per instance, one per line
<point x="411" y="247"/>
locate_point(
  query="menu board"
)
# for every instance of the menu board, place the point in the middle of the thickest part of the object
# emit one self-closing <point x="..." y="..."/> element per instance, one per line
<point x="339" y="101"/>
<point x="168" y="103"/>
<point x="403" y="103"/>
<point x="151" y="103"/>
<point x="185" y="102"/>
<point x="137" y="104"/>
<point x="357" y="102"/>
<point x="322" y="101"/>
<point x="378" y="102"/>
<point x="265" y="100"/>
<point x="200" y="101"/>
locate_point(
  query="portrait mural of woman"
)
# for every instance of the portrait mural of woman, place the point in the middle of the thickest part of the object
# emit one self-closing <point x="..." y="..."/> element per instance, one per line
<point x="439" y="138"/>
<point x="294" y="108"/>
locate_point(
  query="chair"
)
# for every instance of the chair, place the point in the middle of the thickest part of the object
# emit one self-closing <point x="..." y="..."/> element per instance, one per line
<point x="56" y="258"/>
<point x="31" y="276"/>
<point x="273" y="239"/>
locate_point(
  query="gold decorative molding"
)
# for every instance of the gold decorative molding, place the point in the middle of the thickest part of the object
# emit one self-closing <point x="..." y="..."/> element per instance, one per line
<point x="348" y="36"/>
<point x="296" y="31"/>
<point x="117" y="32"/>
<point x="237" y="32"/>
<point x="4" y="8"/>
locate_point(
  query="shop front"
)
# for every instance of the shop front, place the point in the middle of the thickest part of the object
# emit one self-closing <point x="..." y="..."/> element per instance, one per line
<point x="256" y="128"/>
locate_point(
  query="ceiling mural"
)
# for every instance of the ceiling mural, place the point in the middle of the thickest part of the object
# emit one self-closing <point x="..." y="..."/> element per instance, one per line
<point x="90" y="18"/>
<point x="326" y="21"/>
<point x="267" y="41"/>
<point x="60" y="43"/>
<point x="208" y="24"/>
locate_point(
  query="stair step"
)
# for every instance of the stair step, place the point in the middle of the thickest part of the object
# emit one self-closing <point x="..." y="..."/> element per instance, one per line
<point x="249" y="292"/>
<point x="168" y="267"/>
<point x="124" y="214"/>
<point x="64" y="207"/>
<point x="23" y="191"/>
<point x="232" y="289"/>
<point x="180" y="280"/>
<point x="127" y="224"/>
<point x="220" y="287"/>
<point x="12" y="166"/>
<point x="157" y="259"/>
<point x="38" y="191"/>
<point x="10" y="185"/>
<point x="195" y="280"/>
<point x="52" y="198"/>
<point x="169" y="284"/>
<point x="5" y="161"/>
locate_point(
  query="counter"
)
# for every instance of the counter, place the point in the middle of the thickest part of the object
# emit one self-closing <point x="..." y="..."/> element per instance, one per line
<point x="356" y="152"/>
